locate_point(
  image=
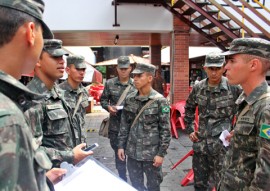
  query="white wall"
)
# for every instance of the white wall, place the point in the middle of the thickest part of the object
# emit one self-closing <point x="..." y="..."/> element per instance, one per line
<point x="98" y="15"/>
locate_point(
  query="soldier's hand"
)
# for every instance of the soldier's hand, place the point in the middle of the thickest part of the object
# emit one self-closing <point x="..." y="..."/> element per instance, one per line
<point x="79" y="153"/>
<point x="121" y="154"/>
<point x="55" y="174"/>
<point x="228" y="138"/>
<point x="158" y="160"/>
<point x="193" y="136"/>
<point x="112" y="110"/>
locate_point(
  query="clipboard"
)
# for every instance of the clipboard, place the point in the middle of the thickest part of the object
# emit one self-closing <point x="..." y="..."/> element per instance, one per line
<point x="91" y="175"/>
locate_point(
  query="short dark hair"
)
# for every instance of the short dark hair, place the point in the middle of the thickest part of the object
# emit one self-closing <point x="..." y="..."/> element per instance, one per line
<point x="10" y="22"/>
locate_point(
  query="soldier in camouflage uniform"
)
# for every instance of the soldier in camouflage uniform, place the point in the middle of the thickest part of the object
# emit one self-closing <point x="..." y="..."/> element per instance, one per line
<point x="112" y="92"/>
<point x="215" y="99"/>
<point x="145" y="143"/>
<point x="22" y="166"/>
<point x="75" y="94"/>
<point x="52" y="118"/>
<point x="247" y="163"/>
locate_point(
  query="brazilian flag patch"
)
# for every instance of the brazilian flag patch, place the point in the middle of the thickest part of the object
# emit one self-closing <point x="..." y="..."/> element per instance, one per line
<point x="265" y="131"/>
<point x="165" y="109"/>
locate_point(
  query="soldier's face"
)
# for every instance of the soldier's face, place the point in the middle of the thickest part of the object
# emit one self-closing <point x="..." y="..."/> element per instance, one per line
<point x="214" y="74"/>
<point x="52" y="67"/>
<point x="237" y="69"/>
<point x="75" y="74"/>
<point x="124" y="72"/>
<point x="142" y="80"/>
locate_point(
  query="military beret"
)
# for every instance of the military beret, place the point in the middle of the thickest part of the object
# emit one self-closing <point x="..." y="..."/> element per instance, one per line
<point x="35" y="8"/>
<point x="77" y="60"/>
<point x="253" y="46"/>
<point x="214" y="59"/>
<point x="54" y="47"/>
<point x="123" y="62"/>
<point x="142" y="67"/>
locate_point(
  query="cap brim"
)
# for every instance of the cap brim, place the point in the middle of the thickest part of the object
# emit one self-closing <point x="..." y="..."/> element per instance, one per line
<point x="136" y="71"/>
<point x="227" y="53"/>
<point x="57" y="52"/>
<point x="213" y="65"/>
<point x="80" y="66"/>
<point x="47" y="33"/>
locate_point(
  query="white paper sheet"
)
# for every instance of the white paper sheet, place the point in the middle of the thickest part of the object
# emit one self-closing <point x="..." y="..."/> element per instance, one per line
<point x="223" y="136"/>
<point x="91" y="176"/>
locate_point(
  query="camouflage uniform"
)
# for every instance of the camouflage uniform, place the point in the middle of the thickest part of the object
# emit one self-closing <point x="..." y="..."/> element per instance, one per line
<point x="247" y="163"/>
<point x="149" y="137"/>
<point x="217" y="108"/>
<point x="51" y="119"/>
<point x="22" y="166"/>
<point x="72" y="96"/>
<point x="112" y="92"/>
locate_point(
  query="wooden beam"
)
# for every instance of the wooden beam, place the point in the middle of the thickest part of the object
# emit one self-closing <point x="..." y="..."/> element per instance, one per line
<point x="254" y="23"/>
<point x="226" y="12"/>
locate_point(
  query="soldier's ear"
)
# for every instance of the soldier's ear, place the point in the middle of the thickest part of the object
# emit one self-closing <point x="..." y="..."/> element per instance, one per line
<point x="67" y="70"/>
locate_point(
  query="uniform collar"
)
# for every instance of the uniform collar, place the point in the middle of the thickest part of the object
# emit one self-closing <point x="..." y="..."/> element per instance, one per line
<point x="117" y="81"/>
<point x="222" y="85"/>
<point x="255" y="94"/>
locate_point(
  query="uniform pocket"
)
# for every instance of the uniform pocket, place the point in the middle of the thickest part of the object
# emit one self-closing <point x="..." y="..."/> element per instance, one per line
<point x="57" y="122"/>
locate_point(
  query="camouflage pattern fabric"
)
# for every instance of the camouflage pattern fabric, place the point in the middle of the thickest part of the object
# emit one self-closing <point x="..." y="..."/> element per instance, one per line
<point x="216" y="110"/>
<point x="112" y="92"/>
<point x="150" y="136"/>
<point x="247" y="163"/>
<point x="119" y="164"/>
<point x="51" y="119"/>
<point x="253" y="46"/>
<point x="136" y="170"/>
<point x="22" y="165"/>
<point x="71" y="96"/>
<point x="77" y="61"/>
<point x="143" y="67"/>
<point x="34" y="8"/>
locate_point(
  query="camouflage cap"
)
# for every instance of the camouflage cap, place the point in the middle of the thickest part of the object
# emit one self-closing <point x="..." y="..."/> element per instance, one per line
<point x="123" y="62"/>
<point x="214" y="59"/>
<point x="35" y="8"/>
<point x="54" y="47"/>
<point x="77" y="60"/>
<point x="253" y="46"/>
<point x="142" y="67"/>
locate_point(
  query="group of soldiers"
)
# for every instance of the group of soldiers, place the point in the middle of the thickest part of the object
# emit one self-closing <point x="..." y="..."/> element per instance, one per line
<point x="41" y="125"/>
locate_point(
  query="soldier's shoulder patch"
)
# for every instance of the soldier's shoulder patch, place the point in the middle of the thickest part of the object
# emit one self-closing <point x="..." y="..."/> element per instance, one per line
<point x="265" y="131"/>
<point x="165" y="109"/>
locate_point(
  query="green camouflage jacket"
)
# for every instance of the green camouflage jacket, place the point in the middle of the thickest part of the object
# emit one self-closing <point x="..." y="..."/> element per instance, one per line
<point x="247" y="163"/>
<point x="51" y="119"/>
<point x="151" y="135"/>
<point x="112" y="92"/>
<point x="22" y="165"/>
<point x="72" y="96"/>
<point x="216" y="108"/>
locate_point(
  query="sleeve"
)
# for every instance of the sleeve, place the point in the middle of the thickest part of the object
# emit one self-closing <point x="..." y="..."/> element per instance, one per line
<point x="190" y="108"/>
<point x="164" y="127"/>
<point x="261" y="177"/>
<point x="124" y="130"/>
<point x="105" y="97"/>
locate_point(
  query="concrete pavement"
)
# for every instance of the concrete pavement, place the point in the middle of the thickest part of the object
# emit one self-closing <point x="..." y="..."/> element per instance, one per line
<point x="178" y="148"/>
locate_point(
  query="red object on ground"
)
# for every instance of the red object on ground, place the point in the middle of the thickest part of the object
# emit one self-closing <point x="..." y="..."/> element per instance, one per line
<point x="189" y="177"/>
<point x="96" y="91"/>
<point x="177" y="117"/>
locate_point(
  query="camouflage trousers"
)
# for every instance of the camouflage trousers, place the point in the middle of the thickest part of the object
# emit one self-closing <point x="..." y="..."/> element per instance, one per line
<point x="137" y="169"/>
<point x="120" y="165"/>
<point x="207" y="170"/>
